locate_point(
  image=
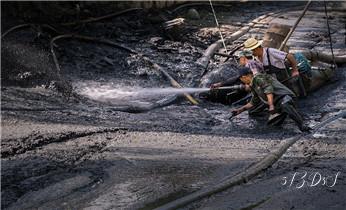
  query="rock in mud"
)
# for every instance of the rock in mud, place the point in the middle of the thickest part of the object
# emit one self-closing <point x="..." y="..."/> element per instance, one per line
<point x="224" y="72"/>
<point x="193" y="14"/>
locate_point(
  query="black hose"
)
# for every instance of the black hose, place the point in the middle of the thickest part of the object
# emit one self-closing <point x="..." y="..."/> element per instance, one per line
<point x="249" y="173"/>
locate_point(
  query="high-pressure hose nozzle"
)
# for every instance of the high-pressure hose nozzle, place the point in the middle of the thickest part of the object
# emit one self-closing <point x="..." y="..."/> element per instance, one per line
<point x="233" y="87"/>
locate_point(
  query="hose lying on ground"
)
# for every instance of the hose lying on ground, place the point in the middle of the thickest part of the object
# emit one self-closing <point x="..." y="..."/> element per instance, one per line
<point x="249" y="173"/>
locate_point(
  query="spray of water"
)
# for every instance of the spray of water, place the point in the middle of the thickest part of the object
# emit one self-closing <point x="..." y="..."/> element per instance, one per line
<point x="103" y="93"/>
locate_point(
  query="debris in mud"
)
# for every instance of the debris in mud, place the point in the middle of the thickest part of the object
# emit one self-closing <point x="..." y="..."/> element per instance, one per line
<point x="26" y="66"/>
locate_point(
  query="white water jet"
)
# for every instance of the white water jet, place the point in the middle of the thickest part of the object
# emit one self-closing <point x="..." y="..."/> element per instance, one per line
<point x="106" y="93"/>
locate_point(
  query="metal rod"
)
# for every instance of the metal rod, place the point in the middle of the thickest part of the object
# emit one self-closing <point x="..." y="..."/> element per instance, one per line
<point x="224" y="55"/>
<point x="234" y="87"/>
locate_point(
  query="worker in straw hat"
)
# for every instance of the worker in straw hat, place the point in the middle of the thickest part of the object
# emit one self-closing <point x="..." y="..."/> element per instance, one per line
<point x="273" y="60"/>
<point x="246" y="59"/>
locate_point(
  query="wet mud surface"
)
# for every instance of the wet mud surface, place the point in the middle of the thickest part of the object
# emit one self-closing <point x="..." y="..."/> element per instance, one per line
<point x="296" y="181"/>
<point x="85" y="153"/>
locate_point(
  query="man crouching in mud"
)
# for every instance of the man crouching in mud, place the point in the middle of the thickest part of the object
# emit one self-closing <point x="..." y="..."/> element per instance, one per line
<point x="270" y="91"/>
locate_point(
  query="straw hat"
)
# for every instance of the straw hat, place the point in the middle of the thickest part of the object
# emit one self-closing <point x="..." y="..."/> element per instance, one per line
<point x="251" y="44"/>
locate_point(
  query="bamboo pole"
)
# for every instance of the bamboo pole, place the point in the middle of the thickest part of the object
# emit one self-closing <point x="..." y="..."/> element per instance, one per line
<point x="294" y="26"/>
<point x="173" y="82"/>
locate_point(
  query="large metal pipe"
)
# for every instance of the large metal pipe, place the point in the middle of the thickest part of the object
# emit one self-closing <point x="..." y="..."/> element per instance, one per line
<point x="320" y="56"/>
<point x="319" y="77"/>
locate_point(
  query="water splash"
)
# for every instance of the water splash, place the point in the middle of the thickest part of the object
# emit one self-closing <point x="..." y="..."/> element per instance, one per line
<point x="108" y="93"/>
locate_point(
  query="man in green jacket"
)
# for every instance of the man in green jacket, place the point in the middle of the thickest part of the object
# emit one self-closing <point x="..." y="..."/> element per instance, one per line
<point x="278" y="98"/>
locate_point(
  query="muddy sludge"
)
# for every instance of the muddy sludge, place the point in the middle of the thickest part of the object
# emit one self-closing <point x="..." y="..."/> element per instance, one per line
<point x="109" y="167"/>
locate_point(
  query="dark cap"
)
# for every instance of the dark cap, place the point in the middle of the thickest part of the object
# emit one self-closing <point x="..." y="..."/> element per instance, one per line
<point x="246" y="53"/>
<point x="244" y="71"/>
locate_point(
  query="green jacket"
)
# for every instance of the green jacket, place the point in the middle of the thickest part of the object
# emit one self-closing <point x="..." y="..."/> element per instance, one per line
<point x="263" y="84"/>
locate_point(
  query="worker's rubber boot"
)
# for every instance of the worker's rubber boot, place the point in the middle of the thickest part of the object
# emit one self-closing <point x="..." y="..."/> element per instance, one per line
<point x="276" y="120"/>
<point x="287" y="106"/>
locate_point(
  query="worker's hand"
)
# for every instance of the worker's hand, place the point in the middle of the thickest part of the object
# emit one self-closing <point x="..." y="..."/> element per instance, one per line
<point x="295" y="73"/>
<point x="236" y="111"/>
<point x="242" y="61"/>
<point x="247" y="88"/>
<point x="216" y="85"/>
<point x="271" y="109"/>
